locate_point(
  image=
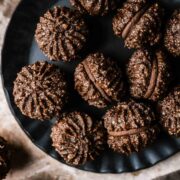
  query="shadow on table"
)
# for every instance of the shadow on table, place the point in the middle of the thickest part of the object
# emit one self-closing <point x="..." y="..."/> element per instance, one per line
<point x="20" y="156"/>
<point x="171" y="176"/>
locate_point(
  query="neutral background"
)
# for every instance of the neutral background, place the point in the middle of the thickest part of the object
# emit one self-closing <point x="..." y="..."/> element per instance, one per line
<point x="30" y="163"/>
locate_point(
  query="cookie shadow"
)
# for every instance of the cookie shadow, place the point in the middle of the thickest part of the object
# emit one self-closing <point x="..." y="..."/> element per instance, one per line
<point x="20" y="157"/>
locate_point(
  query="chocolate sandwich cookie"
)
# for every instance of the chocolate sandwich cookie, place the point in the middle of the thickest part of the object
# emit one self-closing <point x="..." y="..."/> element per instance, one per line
<point x="94" y="7"/>
<point x="138" y="22"/>
<point x="4" y="158"/>
<point x="99" y="80"/>
<point x="149" y="74"/>
<point x="40" y="91"/>
<point x="77" y="138"/>
<point x="131" y="126"/>
<point x="61" y="33"/>
<point x="169" y="110"/>
<point x="172" y="34"/>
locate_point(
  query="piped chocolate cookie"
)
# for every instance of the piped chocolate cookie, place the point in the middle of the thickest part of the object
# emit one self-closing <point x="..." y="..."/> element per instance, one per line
<point x="138" y="22"/>
<point x="94" y="7"/>
<point x="169" y="110"/>
<point x="40" y="91"/>
<point x="61" y="33"/>
<point x="172" y="34"/>
<point x="99" y="80"/>
<point x="5" y="155"/>
<point x="149" y="74"/>
<point x="77" y="138"/>
<point x="131" y="126"/>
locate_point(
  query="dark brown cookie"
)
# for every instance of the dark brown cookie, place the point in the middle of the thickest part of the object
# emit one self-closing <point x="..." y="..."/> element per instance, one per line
<point x="149" y="74"/>
<point x="77" y="138"/>
<point x="95" y="7"/>
<point x="139" y="23"/>
<point x="131" y="126"/>
<point x="61" y="33"/>
<point x="99" y="80"/>
<point x="4" y="158"/>
<point x="172" y="34"/>
<point x="169" y="109"/>
<point x="40" y="91"/>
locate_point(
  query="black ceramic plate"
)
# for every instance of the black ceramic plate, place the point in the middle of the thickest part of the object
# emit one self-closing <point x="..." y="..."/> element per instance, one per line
<point x="20" y="49"/>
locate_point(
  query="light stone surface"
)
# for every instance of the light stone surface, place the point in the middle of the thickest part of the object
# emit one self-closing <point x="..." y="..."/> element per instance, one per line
<point x="30" y="163"/>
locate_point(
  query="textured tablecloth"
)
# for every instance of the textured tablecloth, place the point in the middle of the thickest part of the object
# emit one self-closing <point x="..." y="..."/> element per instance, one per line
<point x="31" y="163"/>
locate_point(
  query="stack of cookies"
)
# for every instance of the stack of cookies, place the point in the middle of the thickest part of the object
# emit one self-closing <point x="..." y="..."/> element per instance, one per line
<point x="140" y="107"/>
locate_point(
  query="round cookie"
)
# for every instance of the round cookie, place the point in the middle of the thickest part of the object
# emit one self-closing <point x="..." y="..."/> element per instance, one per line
<point x="4" y="158"/>
<point x="138" y="22"/>
<point x="131" y="126"/>
<point x="77" y="138"/>
<point x="172" y="34"/>
<point x="95" y="7"/>
<point x="61" y="33"/>
<point x="40" y="91"/>
<point x="149" y="74"/>
<point x="99" y="80"/>
<point x="169" y="109"/>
